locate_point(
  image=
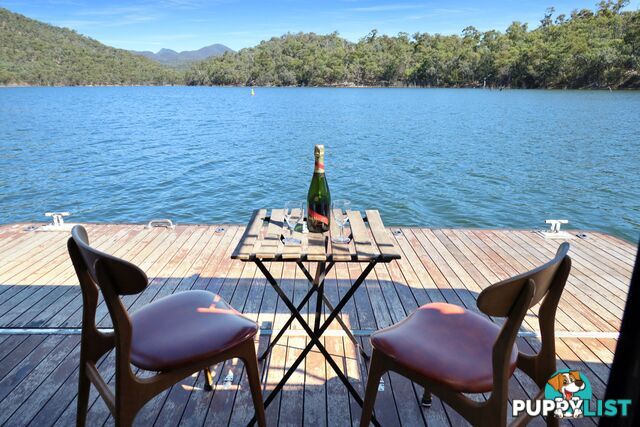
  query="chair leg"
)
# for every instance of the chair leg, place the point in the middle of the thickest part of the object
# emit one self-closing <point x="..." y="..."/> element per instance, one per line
<point x="376" y="370"/>
<point x="552" y="421"/>
<point x="426" y="399"/>
<point x="125" y="418"/>
<point x="253" y="375"/>
<point x="84" y="386"/>
<point x="208" y="379"/>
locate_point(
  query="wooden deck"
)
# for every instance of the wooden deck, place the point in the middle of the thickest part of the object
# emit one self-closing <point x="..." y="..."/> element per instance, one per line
<point x="40" y="311"/>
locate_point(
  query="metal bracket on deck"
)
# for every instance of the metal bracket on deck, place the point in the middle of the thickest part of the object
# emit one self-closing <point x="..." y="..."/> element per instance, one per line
<point x="554" y="231"/>
<point x="166" y="223"/>
<point x="228" y="381"/>
<point x="556" y="224"/>
<point x="58" y="223"/>
<point x="58" y="217"/>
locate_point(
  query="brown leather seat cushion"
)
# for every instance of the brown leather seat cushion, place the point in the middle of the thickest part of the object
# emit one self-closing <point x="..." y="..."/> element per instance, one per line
<point x="185" y="328"/>
<point x="446" y="344"/>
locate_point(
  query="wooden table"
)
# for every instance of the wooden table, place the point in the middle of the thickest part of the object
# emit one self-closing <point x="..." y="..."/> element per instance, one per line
<point x="262" y="242"/>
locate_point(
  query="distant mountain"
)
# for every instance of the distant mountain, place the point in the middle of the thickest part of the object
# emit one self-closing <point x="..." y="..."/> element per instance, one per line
<point x="32" y="52"/>
<point x="178" y="59"/>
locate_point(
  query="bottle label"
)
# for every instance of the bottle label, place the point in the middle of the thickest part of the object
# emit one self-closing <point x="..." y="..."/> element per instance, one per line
<point x="318" y="217"/>
<point x="319" y="166"/>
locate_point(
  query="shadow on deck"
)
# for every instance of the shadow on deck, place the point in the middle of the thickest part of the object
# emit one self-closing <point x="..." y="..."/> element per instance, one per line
<point x="38" y="372"/>
<point x="38" y="290"/>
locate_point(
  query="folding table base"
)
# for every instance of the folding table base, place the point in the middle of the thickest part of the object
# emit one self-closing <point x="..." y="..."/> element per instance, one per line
<point x="314" y="287"/>
<point x="316" y="333"/>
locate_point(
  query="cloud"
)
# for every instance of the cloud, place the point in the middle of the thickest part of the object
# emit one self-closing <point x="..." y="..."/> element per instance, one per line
<point x="93" y="23"/>
<point x="386" y="7"/>
<point x="75" y="23"/>
<point x="182" y="4"/>
<point x="65" y="2"/>
<point x="109" y="17"/>
<point x="442" y="12"/>
<point x="146" y="7"/>
<point x="110" y="11"/>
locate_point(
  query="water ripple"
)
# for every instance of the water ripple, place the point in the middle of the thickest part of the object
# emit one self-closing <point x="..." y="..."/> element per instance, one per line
<point x="451" y="158"/>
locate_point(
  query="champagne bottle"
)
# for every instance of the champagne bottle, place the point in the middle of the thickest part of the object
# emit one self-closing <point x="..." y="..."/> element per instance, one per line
<point x="319" y="198"/>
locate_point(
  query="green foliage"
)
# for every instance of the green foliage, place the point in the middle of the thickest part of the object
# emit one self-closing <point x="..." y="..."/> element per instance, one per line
<point x="32" y="52"/>
<point x="587" y="49"/>
<point x="598" y="48"/>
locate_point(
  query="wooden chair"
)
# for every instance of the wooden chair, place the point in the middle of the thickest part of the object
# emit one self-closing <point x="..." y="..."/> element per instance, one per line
<point x="174" y="336"/>
<point x="450" y="350"/>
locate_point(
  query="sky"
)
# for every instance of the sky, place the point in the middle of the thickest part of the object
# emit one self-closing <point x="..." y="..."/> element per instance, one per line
<point x="192" y="24"/>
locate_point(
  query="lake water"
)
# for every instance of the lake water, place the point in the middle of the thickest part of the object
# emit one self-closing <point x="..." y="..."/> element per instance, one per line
<point x="429" y="157"/>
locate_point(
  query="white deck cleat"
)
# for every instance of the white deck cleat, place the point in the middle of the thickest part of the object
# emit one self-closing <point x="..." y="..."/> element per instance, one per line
<point x="228" y="381"/>
<point x="554" y="231"/>
<point x="58" y="223"/>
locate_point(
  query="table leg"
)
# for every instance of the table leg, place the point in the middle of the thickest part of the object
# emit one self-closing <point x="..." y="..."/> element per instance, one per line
<point x="346" y="328"/>
<point x="320" y="275"/>
<point x="315" y="335"/>
<point x="314" y="287"/>
<point x="332" y="308"/>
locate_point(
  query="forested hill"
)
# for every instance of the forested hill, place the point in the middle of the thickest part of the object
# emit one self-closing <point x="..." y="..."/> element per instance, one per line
<point x="32" y="52"/>
<point x="588" y="49"/>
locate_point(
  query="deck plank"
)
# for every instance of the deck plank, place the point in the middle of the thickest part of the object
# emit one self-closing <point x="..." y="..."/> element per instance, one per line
<point x="25" y="379"/>
<point x="579" y="293"/>
<point x="38" y="288"/>
<point x="186" y="403"/>
<point x="47" y="294"/>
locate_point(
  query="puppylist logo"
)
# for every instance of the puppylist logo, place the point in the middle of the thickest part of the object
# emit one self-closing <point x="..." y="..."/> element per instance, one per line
<point x="570" y="391"/>
<point x="567" y="394"/>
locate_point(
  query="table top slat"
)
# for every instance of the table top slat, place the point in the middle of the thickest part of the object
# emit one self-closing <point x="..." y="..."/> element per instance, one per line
<point x="264" y="249"/>
<point x="370" y="241"/>
<point x="381" y="235"/>
<point x="317" y="247"/>
<point x="257" y="245"/>
<point x="276" y="225"/>
<point x="293" y="251"/>
<point x="251" y="234"/>
<point x="365" y="248"/>
<point x="269" y="245"/>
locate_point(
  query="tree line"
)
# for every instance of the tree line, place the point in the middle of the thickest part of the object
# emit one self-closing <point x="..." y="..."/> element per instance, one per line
<point x="587" y="49"/>
<point x="32" y="52"/>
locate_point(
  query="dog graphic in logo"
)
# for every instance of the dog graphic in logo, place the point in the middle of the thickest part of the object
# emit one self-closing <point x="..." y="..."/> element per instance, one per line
<point x="571" y="387"/>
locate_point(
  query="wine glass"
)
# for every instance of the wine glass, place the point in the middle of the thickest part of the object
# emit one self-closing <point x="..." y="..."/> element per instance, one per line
<point x="339" y="211"/>
<point x="293" y="214"/>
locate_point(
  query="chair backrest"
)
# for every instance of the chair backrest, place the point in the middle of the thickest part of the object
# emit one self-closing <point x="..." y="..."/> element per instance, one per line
<point x="512" y="298"/>
<point x="499" y="298"/>
<point x="124" y="278"/>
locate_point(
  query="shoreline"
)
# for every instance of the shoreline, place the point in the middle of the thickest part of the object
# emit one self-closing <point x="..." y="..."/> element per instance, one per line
<point x="596" y="89"/>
